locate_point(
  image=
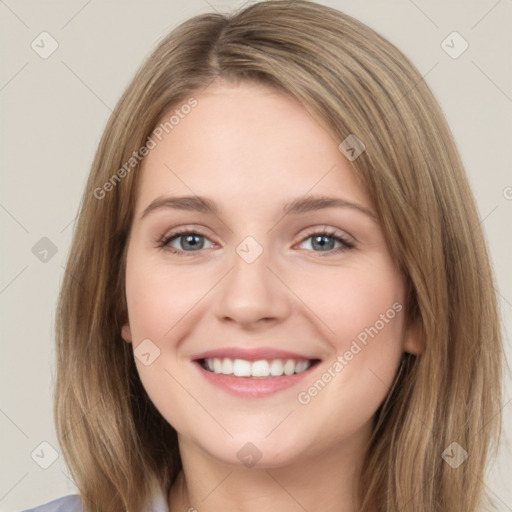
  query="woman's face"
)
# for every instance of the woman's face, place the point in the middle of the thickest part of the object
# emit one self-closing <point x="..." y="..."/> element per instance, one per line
<point x="255" y="250"/>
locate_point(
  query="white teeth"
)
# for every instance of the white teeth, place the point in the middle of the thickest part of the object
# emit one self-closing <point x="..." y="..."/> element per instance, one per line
<point x="260" y="368"/>
<point x="289" y="367"/>
<point x="276" y="368"/>
<point x="301" y="366"/>
<point x="241" y="368"/>
<point x="227" y="366"/>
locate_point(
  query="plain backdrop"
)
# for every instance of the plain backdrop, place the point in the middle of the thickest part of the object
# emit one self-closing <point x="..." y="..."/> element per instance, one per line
<point x="54" y="110"/>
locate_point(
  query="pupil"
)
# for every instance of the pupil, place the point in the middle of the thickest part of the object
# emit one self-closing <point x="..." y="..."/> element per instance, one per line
<point x="321" y="242"/>
<point x="192" y="241"/>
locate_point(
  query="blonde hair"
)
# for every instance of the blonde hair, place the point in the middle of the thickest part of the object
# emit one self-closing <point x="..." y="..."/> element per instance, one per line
<point x="115" y="442"/>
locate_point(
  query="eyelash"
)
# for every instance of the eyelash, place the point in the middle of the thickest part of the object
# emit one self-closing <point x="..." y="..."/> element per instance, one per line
<point x="345" y="243"/>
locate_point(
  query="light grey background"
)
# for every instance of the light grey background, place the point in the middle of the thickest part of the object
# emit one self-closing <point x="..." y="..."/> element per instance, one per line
<point x="53" y="113"/>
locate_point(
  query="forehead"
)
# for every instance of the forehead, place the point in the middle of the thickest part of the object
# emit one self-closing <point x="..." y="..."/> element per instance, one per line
<point x="245" y="144"/>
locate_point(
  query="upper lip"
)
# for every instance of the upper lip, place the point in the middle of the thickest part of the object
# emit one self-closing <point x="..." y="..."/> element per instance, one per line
<point x="251" y="354"/>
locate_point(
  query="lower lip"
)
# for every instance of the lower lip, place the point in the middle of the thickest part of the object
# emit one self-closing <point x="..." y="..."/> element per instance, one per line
<point x="252" y="387"/>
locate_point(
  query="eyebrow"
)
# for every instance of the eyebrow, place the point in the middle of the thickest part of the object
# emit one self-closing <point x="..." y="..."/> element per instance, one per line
<point x="297" y="206"/>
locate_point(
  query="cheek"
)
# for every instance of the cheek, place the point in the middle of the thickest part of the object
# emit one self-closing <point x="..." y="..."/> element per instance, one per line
<point x="162" y="306"/>
<point x="159" y="299"/>
<point x="363" y="310"/>
<point x="157" y="305"/>
<point x="353" y="300"/>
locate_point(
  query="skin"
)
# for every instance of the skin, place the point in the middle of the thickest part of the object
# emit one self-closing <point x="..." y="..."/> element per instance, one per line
<point x="250" y="149"/>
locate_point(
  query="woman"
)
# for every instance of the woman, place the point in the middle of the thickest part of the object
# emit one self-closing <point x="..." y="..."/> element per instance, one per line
<point x="278" y="294"/>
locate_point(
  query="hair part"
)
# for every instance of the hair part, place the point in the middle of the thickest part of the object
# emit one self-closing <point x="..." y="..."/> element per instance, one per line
<point x="117" y="445"/>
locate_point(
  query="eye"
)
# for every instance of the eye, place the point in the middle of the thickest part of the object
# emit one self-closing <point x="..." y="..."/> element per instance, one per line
<point x="327" y="241"/>
<point x="184" y="241"/>
<point x="189" y="241"/>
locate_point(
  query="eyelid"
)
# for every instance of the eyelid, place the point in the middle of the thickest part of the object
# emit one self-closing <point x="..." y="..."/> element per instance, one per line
<point x="346" y="240"/>
<point x="330" y="230"/>
<point x="185" y="230"/>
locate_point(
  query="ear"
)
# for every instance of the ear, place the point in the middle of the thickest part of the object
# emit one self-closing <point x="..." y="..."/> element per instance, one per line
<point x="126" y="333"/>
<point x="414" y="341"/>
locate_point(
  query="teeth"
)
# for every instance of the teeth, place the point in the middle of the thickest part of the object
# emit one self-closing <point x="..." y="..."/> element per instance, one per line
<point x="289" y="367"/>
<point x="276" y="368"/>
<point x="302" y="366"/>
<point x="260" y="368"/>
<point x="241" y="368"/>
<point x="227" y="367"/>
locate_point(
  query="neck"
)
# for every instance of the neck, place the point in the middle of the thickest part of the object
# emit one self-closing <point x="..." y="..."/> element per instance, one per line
<point x="327" y="481"/>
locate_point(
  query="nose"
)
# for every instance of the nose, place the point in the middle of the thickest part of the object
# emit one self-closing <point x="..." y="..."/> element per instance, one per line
<point x="251" y="295"/>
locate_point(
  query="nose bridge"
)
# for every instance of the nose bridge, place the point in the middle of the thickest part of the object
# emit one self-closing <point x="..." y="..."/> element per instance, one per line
<point x="250" y="291"/>
<point x="250" y="267"/>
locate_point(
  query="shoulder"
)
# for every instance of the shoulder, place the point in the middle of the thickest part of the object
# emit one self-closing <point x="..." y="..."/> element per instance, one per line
<point x="69" y="503"/>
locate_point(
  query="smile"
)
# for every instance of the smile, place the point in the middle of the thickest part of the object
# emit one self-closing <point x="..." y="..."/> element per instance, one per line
<point x="253" y="372"/>
<point x="262" y="368"/>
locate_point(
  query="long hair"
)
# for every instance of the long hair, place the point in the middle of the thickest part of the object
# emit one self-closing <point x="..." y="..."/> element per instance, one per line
<point x="115" y="442"/>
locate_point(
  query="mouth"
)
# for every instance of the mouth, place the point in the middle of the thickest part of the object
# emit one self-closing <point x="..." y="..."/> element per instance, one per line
<point x="259" y="369"/>
<point x="253" y="373"/>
